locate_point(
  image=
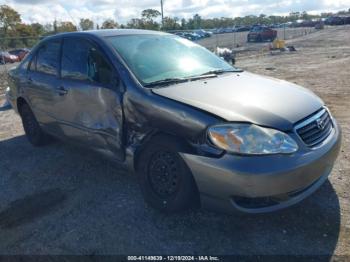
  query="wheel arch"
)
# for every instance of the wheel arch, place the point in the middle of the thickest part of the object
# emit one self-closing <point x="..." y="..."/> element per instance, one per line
<point x="182" y="145"/>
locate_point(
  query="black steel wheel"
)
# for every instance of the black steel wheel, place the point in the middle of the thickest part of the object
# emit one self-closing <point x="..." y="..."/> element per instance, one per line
<point x="166" y="181"/>
<point x="163" y="174"/>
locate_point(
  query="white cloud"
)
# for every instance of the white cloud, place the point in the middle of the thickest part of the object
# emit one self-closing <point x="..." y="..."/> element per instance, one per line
<point x="45" y="11"/>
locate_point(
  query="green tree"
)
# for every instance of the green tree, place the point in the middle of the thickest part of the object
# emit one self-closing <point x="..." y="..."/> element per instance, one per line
<point x="197" y="21"/>
<point x="55" y="26"/>
<point x="171" y="23"/>
<point x="38" y="29"/>
<point x="183" y="24"/>
<point x="86" y="24"/>
<point x="148" y="17"/>
<point x="48" y="28"/>
<point x="136" y="23"/>
<point x="109" y="24"/>
<point x="293" y="16"/>
<point x="66" y="26"/>
<point x="25" y="34"/>
<point x="150" y="14"/>
<point x="9" y="18"/>
<point x="304" y="15"/>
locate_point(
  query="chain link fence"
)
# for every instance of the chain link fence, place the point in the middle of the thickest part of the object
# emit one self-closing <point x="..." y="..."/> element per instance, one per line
<point x="239" y="39"/>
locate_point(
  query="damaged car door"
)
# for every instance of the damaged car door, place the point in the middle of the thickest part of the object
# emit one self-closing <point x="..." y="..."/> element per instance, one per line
<point x="41" y="79"/>
<point x="88" y="103"/>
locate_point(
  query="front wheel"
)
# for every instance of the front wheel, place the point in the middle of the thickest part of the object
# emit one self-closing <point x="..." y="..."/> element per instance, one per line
<point x="34" y="133"/>
<point x="166" y="181"/>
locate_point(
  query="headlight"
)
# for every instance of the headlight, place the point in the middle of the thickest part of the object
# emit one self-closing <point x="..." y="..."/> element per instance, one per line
<point x="251" y="139"/>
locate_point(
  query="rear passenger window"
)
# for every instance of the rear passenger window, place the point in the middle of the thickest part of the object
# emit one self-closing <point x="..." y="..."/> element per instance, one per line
<point x="47" y="58"/>
<point x="81" y="60"/>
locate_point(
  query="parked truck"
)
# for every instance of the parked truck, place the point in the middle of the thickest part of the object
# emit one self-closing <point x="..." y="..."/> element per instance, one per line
<point x="261" y="33"/>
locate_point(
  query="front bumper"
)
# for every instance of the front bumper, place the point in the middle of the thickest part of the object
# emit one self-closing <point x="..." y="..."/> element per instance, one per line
<point x="256" y="184"/>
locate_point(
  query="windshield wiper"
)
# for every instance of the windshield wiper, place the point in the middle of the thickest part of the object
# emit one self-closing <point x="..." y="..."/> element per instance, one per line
<point x="166" y="81"/>
<point x="221" y="71"/>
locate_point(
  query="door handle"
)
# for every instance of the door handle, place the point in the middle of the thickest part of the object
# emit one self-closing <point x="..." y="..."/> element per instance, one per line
<point x="61" y="91"/>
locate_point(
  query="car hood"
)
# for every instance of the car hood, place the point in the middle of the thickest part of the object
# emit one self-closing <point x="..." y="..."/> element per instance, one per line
<point x="246" y="97"/>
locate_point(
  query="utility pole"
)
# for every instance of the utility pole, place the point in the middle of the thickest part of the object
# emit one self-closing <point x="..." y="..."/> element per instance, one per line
<point x="161" y="6"/>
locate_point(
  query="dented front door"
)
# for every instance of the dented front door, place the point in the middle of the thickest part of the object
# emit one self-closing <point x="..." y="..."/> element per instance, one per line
<point x="88" y="105"/>
<point x="91" y="115"/>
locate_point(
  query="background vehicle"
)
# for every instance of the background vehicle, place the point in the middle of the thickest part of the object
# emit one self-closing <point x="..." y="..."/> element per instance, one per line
<point x="242" y="28"/>
<point x="336" y="20"/>
<point x="20" y="53"/>
<point x="203" y="33"/>
<point x="6" y="57"/>
<point x="224" y="30"/>
<point x="261" y="33"/>
<point x="188" y="35"/>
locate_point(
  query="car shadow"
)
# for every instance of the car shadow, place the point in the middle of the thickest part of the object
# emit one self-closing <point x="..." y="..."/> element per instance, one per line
<point x="103" y="208"/>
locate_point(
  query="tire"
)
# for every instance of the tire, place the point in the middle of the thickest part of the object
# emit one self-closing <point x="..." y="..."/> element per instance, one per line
<point x="166" y="181"/>
<point x="34" y="133"/>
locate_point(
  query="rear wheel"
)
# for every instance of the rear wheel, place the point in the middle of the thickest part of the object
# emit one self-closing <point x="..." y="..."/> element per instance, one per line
<point x="166" y="181"/>
<point x="34" y="133"/>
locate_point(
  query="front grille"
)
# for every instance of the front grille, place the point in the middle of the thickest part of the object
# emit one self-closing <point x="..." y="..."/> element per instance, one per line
<point x="316" y="128"/>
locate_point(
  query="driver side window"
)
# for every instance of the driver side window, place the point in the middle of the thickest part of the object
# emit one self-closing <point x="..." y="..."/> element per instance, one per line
<point x="81" y="60"/>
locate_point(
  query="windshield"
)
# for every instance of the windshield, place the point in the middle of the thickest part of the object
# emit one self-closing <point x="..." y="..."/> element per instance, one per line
<point x="155" y="58"/>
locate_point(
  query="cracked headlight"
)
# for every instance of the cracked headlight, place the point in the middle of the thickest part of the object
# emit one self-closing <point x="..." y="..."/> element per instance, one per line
<point x="251" y="139"/>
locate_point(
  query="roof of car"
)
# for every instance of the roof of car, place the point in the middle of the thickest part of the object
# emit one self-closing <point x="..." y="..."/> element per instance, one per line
<point x="113" y="32"/>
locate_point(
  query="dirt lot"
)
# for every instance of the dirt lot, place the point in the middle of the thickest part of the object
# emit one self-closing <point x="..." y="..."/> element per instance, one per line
<point x="63" y="200"/>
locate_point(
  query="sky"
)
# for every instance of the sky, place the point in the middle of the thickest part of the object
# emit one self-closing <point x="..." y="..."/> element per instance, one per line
<point x="46" y="11"/>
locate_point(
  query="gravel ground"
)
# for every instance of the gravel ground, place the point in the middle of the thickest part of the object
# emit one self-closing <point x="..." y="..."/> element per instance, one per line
<point x="61" y="199"/>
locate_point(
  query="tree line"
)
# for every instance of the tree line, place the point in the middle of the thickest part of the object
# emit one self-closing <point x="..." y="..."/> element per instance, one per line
<point x="15" y="33"/>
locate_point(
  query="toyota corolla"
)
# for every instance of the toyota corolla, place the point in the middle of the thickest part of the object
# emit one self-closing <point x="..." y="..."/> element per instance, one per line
<point x="193" y="128"/>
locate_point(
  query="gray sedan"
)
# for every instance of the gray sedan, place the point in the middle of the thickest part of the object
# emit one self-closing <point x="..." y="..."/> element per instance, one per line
<point x="194" y="129"/>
